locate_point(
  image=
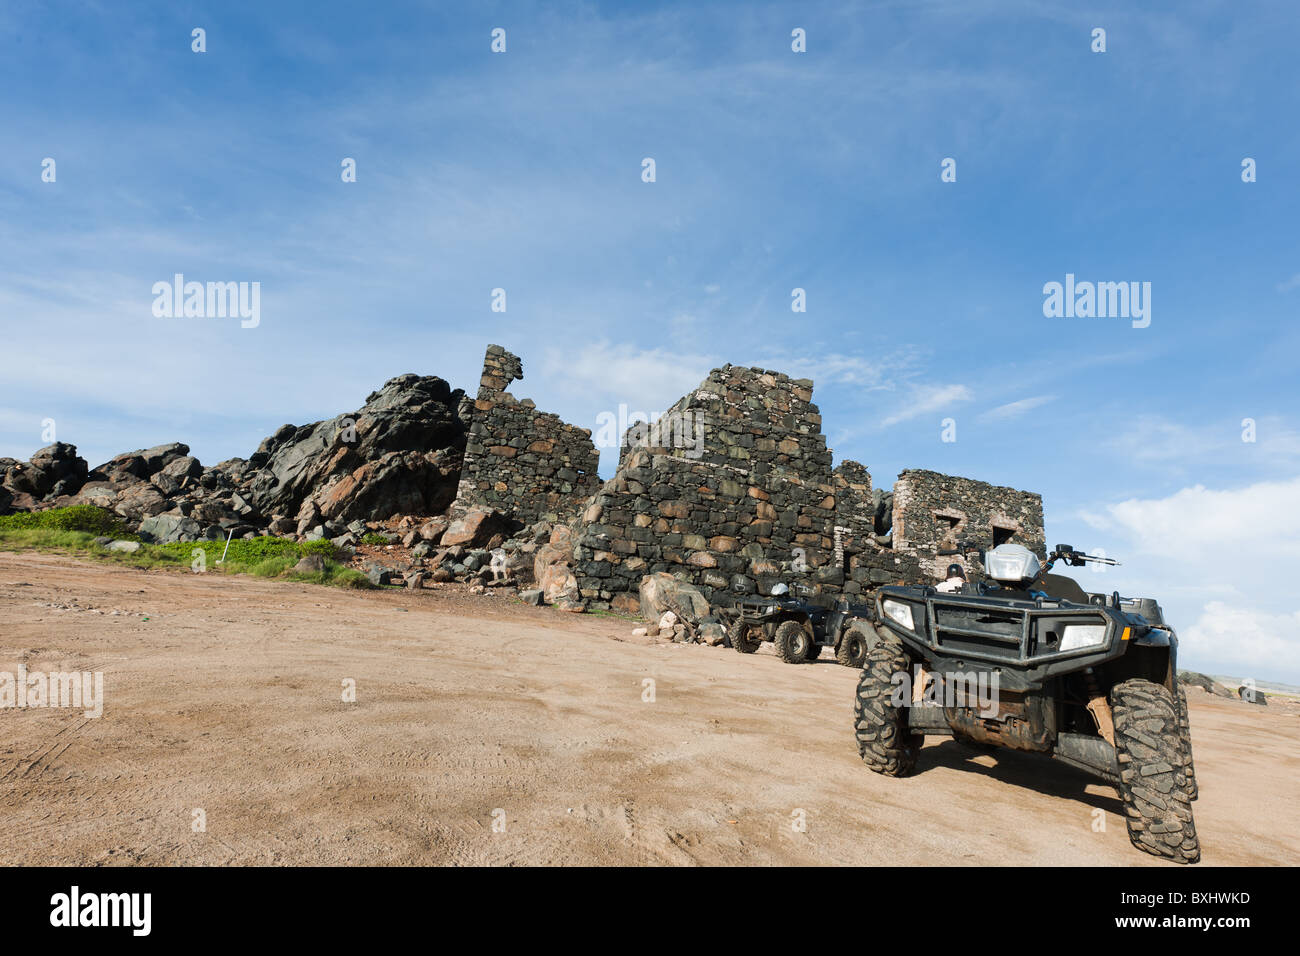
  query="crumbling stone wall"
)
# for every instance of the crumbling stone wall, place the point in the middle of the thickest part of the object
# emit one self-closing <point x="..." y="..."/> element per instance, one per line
<point x="935" y="512"/>
<point x="527" y="463"/>
<point x="855" y="511"/>
<point x="735" y="510"/>
<point x="868" y="565"/>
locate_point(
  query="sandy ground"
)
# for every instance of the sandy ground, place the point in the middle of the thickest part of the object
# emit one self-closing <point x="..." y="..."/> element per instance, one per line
<point x="475" y="710"/>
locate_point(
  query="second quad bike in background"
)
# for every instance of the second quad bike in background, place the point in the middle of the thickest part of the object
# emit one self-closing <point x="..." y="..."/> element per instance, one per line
<point x="1089" y="679"/>
<point x="801" y="627"/>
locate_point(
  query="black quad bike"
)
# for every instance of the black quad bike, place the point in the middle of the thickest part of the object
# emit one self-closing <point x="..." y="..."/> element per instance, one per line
<point x="1089" y="679"/>
<point x="801" y="628"/>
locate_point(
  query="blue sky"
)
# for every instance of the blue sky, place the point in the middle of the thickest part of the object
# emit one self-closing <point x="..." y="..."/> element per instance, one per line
<point x="775" y="170"/>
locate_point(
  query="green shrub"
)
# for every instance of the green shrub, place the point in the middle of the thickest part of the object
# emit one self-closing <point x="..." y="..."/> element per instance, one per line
<point x="86" y="518"/>
<point x="352" y="578"/>
<point x="374" y="537"/>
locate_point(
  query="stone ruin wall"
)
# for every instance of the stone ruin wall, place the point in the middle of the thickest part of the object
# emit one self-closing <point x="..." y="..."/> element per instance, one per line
<point x="518" y="460"/>
<point x="735" y="511"/>
<point x="935" y="512"/>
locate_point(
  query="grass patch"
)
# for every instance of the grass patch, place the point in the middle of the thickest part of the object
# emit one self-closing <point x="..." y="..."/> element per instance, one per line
<point x="253" y="551"/>
<point x="605" y="612"/>
<point x="265" y="557"/>
<point x="375" y="537"/>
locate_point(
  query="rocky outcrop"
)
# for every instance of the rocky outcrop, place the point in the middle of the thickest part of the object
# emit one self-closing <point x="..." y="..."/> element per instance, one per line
<point x="1206" y="683"/>
<point x="54" y="471"/>
<point x="400" y="453"/>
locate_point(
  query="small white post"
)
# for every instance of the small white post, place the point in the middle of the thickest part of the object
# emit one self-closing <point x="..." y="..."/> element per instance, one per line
<point x="229" y="534"/>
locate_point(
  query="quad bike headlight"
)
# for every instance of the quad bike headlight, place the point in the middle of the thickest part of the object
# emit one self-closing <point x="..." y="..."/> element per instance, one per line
<point x="1076" y="636"/>
<point x="899" y="612"/>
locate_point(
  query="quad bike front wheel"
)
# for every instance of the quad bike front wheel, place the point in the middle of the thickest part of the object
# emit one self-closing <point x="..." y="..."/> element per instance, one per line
<point x="855" y="643"/>
<point x="792" y="642"/>
<point x="814" y="652"/>
<point x="743" y="639"/>
<point x="1152" y="770"/>
<point x="1185" y="729"/>
<point x="885" y="742"/>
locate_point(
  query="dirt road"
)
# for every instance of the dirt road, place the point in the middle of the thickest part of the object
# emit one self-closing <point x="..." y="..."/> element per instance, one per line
<point x="487" y="732"/>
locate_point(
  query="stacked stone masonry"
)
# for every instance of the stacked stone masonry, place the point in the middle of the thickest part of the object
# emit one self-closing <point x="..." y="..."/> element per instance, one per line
<point x="935" y="512"/>
<point x="518" y="460"/>
<point x="732" y="488"/>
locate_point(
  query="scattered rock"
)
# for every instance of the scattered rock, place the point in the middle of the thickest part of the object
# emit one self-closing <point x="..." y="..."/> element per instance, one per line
<point x="662" y="592"/>
<point x="310" y="564"/>
<point x="378" y="575"/>
<point x="712" y="633"/>
<point x="1252" y="695"/>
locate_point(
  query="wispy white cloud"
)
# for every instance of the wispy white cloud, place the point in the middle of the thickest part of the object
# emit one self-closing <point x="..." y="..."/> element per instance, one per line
<point x="1159" y="440"/>
<point x="925" y="399"/>
<point x="1015" y="409"/>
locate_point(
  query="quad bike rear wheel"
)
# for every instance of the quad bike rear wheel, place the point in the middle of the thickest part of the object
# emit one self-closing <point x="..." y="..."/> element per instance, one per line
<point x="742" y="638"/>
<point x="792" y="642"/>
<point x="855" y="643"/>
<point x="1152" y="770"/>
<point x="814" y="652"/>
<point x="885" y="742"/>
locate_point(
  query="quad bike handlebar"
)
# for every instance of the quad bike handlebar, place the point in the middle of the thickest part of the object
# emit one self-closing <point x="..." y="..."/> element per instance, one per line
<point x="1075" y="559"/>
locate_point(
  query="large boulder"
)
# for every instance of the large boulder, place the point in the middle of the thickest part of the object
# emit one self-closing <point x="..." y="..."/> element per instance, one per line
<point x="662" y="592"/>
<point x="165" y="528"/>
<point x="559" y="585"/>
<point x="141" y="464"/>
<point x="399" y="454"/>
<point x="476" y="528"/>
<point x="140" y="500"/>
<point x="186" y="466"/>
<point x="547" y="556"/>
<point x="61" y="467"/>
